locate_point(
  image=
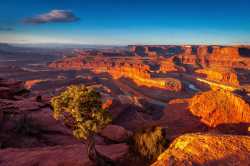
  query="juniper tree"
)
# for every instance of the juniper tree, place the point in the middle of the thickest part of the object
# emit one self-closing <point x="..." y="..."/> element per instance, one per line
<point x="80" y="108"/>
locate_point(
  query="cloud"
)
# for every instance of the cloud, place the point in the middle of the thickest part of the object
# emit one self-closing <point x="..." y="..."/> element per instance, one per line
<point x="6" y="29"/>
<point x="54" y="16"/>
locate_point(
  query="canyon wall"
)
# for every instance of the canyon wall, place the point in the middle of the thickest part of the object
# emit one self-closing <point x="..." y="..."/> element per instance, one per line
<point x="217" y="56"/>
<point x="225" y="76"/>
<point x="143" y="63"/>
<point x="140" y="74"/>
<point x="168" y="65"/>
<point x="200" y="55"/>
<point x="134" y="69"/>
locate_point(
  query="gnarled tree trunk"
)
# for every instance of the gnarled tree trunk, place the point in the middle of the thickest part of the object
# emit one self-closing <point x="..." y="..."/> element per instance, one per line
<point x="95" y="156"/>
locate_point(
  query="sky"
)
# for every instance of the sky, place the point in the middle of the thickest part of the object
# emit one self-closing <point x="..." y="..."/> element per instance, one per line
<point x="123" y="22"/>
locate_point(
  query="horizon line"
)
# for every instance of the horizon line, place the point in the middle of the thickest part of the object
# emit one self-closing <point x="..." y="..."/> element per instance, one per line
<point x="132" y="44"/>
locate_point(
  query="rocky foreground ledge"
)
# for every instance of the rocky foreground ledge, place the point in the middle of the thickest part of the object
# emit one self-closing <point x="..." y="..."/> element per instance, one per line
<point x="58" y="155"/>
<point x="29" y="135"/>
<point x="207" y="149"/>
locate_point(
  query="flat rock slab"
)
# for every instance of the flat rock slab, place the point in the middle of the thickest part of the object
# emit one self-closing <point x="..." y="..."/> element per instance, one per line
<point x="20" y="105"/>
<point x="74" y="155"/>
<point x="116" y="133"/>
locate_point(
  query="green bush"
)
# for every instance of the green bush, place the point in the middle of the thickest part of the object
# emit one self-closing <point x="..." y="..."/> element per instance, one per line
<point x="81" y="108"/>
<point x="150" y="143"/>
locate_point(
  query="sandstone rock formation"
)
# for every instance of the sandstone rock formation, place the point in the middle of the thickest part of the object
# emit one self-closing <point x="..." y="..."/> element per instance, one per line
<point x="159" y="50"/>
<point x="6" y="92"/>
<point x="133" y="68"/>
<point x="9" y="88"/>
<point x="141" y="76"/>
<point x="59" y="155"/>
<point x="30" y="83"/>
<point x="220" y="107"/>
<point x="200" y="55"/>
<point x="216" y="56"/>
<point x="222" y="75"/>
<point x="32" y="123"/>
<point x="175" y="119"/>
<point x="1" y="117"/>
<point x="168" y="65"/>
<point x="29" y="135"/>
<point x="116" y="133"/>
<point x="206" y="150"/>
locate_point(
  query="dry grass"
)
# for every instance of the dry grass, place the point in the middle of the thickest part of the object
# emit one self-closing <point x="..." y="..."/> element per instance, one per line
<point x="150" y="143"/>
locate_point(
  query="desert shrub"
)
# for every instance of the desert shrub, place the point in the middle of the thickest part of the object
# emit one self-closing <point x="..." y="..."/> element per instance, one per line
<point x="26" y="126"/>
<point x="81" y="108"/>
<point x="150" y="143"/>
<point x="171" y="83"/>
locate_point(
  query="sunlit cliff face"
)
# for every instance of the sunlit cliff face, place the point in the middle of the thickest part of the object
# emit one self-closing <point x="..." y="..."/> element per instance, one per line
<point x="137" y="71"/>
<point x="220" y="107"/>
<point x="220" y="75"/>
<point x="215" y="56"/>
<point x="170" y="59"/>
<point x="142" y="77"/>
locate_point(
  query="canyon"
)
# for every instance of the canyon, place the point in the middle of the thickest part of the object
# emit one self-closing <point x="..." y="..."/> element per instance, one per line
<point x="225" y="64"/>
<point x="198" y="94"/>
<point x="130" y="68"/>
<point x="204" y="55"/>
